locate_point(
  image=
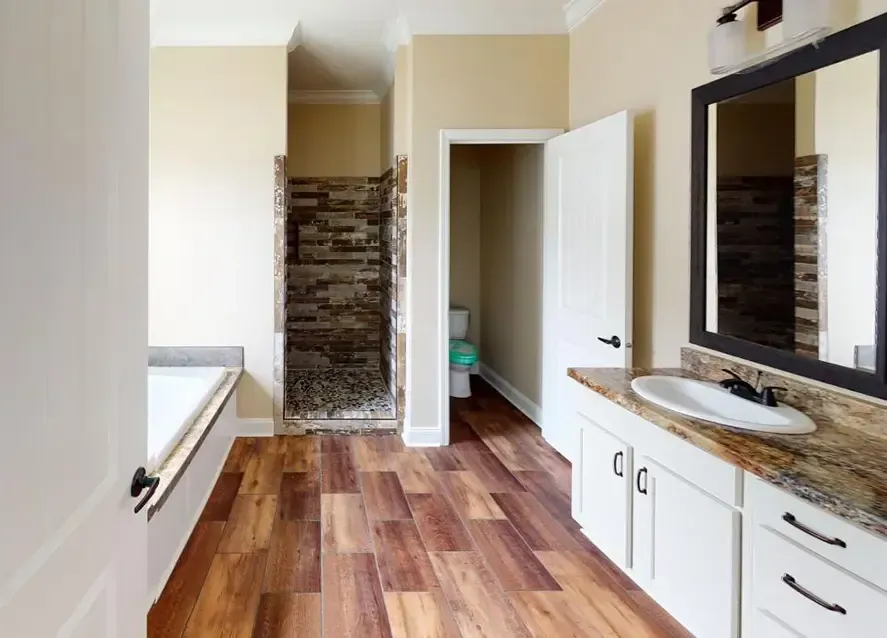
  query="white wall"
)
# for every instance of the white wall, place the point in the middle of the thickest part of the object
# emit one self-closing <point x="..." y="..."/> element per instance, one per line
<point x="847" y="133"/>
<point x="218" y="118"/>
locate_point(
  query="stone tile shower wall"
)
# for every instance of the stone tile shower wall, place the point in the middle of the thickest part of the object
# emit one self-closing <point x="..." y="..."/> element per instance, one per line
<point x="388" y="279"/>
<point x="810" y="255"/>
<point x="333" y="273"/>
<point x="756" y="255"/>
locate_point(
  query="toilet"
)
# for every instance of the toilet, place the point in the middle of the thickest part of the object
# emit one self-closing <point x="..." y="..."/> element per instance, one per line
<point x="463" y="355"/>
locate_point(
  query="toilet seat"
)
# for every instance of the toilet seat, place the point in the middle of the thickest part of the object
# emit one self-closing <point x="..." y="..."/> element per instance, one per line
<point x="462" y="353"/>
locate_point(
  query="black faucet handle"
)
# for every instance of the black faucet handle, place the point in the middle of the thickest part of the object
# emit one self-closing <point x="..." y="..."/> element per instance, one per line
<point x="768" y="397"/>
<point x="733" y="374"/>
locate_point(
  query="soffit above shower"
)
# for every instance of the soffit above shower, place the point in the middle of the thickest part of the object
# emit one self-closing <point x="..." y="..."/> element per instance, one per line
<point x="347" y="45"/>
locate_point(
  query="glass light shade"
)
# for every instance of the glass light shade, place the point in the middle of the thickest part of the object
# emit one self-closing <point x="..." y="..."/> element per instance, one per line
<point x="727" y="46"/>
<point x="804" y="17"/>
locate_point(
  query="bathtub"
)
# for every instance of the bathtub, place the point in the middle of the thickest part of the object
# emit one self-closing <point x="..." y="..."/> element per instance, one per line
<point x="175" y="397"/>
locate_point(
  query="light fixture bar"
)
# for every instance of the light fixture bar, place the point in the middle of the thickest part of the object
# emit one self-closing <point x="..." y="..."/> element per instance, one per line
<point x="733" y="8"/>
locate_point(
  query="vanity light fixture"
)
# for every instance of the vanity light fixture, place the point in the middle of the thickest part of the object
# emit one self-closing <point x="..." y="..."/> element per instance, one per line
<point x="727" y="46"/>
<point x="804" y="22"/>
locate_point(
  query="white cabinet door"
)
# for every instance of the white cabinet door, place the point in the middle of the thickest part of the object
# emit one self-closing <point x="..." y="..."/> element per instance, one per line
<point x="686" y="550"/>
<point x="602" y="490"/>
<point x="74" y="318"/>
<point x="587" y="259"/>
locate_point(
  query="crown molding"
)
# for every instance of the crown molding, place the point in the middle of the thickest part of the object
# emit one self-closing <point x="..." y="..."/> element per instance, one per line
<point x="334" y="97"/>
<point x="576" y="11"/>
<point x="397" y="34"/>
<point x="295" y="38"/>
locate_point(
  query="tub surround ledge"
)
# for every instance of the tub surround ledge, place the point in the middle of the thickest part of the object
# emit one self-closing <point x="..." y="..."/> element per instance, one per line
<point x="195" y="356"/>
<point x="840" y="468"/>
<point x="175" y="465"/>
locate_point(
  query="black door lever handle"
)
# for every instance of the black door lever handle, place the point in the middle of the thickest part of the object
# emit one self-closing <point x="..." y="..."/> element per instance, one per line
<point x="614" y="341"/>
<point x="140" y="482"/>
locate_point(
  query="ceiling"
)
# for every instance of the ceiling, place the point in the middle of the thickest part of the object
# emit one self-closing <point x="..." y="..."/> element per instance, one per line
<point x="347" y="45"/>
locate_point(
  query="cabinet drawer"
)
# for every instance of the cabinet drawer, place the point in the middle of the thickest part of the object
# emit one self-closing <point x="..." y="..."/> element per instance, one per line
<point x="763" y="625"/>
<point x="809" y="595"/>
<point x="839" y="541"/>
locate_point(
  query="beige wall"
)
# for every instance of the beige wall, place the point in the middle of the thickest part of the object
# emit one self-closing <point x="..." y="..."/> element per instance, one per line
<point x="386" y="131"/>
<point x="629" y="54"/>
<point x="465" y="240"/>
<point x="511" y="265"/>
<point x="334" y="140"/>
<point x="847" y="134"/>
<point x="805" y="115"/>
<point x="395" y="116"/>
<point x="218" y="118"/>
<point x="755" y="140"/>
<point x="463" y="82"/>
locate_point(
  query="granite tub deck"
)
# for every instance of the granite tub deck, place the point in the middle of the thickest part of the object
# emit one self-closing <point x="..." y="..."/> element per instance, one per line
<point x="841" y="469"/>
<point x="228" y="357"/>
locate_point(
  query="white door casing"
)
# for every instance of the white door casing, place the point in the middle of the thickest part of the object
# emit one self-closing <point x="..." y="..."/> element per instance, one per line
<point x="588" y="250"/>
<point x="73" y="316"/>
<point x="426" y="437"/>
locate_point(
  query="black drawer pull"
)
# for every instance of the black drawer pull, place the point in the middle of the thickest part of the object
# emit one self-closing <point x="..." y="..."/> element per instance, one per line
<point x="619" y="464"/>
<point x="791" y="520"/>
<point x="789" y="580"/>
<point x="642" y="472"/>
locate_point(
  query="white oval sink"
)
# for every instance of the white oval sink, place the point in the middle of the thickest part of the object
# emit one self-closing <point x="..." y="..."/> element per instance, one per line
<point x="710" y="402"/>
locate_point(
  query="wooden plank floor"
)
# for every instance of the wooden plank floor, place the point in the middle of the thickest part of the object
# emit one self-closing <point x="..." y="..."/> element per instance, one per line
<point x="358" y="536"/>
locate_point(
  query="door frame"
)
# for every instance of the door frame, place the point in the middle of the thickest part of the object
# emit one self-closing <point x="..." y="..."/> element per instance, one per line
<point x="449" y="137"/>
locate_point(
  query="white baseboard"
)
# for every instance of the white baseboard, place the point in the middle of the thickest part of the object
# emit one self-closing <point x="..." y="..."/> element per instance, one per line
<point x="516" y="398"/>
<point x="421" y="438"/>
<point x="255" y="427"/>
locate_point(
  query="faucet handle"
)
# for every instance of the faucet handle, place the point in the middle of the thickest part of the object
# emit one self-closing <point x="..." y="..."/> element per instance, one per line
<point x="768" y="397"/>
<point x="732" y="374"/>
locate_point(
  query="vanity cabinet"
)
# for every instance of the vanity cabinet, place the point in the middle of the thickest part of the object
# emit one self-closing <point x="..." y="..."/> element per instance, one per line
<point x="635" y="501"/>
<point x="602" y="489"/>
<point x="686" y="550"/>
<point x="725" y="553"/>
<point x="809" y="573"/>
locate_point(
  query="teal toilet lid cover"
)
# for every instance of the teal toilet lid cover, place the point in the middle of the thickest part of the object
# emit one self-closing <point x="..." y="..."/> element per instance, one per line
<point x="462" y="353"/>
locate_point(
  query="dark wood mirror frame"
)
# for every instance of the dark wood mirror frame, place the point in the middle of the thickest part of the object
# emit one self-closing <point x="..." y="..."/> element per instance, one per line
<point x="850" y="43"/>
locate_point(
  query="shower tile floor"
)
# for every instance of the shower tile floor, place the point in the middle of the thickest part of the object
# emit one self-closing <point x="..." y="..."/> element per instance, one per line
<point x="337" y="393"/>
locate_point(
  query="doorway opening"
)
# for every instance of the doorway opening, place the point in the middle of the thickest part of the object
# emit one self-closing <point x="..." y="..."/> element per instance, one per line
<point x="492" y="249"/>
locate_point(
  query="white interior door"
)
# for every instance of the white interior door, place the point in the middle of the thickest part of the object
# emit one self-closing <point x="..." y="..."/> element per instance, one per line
<point x="587" y="259"/>
<point x="73" y="316"/>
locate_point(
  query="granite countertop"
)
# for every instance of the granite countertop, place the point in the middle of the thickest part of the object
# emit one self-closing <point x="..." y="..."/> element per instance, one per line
<point x="180" y="458"/>
<point x="840" y="469"/>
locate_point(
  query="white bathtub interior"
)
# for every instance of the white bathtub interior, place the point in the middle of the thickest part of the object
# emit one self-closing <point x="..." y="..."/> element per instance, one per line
<point x="176" y="396"/>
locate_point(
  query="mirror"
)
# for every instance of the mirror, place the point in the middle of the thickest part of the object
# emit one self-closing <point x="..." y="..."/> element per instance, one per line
<point x="792" y="212"/>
